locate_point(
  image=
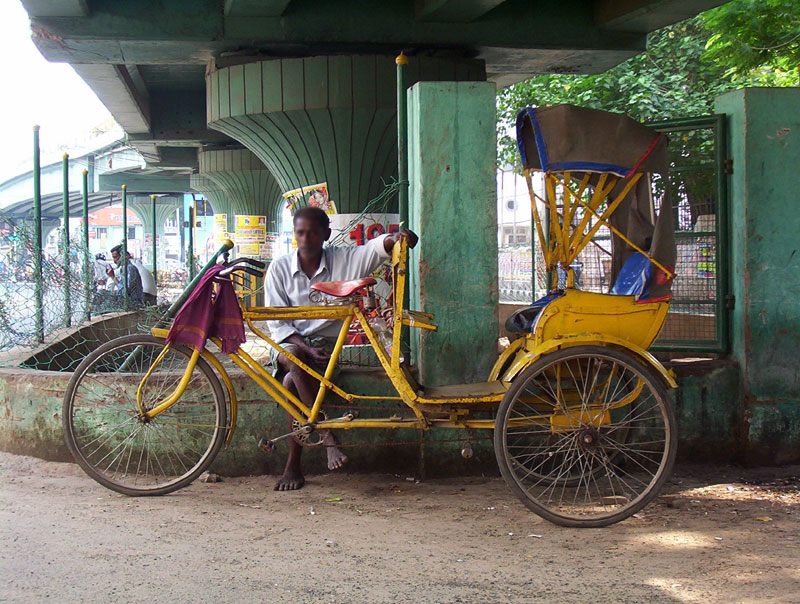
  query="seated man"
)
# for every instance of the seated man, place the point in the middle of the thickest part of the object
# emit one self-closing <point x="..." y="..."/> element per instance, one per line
<point x="288" y="283"/>
<point x="135" y="292"/>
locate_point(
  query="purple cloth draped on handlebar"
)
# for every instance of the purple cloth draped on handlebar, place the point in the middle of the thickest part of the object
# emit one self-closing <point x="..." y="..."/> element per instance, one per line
<point x="208" y="313"/>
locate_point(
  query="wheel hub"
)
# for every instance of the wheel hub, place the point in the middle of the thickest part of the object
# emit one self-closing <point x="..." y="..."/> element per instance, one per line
<point x="588" y="437"/>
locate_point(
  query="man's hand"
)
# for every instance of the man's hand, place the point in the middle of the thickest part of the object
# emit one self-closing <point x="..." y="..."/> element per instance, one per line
<point x="110" y="272"/>
<point x="410" y="236"/>
<point x="318" y="356"/>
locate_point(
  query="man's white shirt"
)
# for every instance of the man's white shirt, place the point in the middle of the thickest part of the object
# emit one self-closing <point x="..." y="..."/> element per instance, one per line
<point x="287" y="285"/>
<point x="148" y="283"/>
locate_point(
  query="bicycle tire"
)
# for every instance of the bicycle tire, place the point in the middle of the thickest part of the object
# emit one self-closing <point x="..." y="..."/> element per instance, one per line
<point x="122" y="451"/>
<point x="597" y="459"/>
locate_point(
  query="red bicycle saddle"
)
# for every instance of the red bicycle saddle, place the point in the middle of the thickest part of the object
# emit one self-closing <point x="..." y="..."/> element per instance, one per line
<point x="342" y="289"/>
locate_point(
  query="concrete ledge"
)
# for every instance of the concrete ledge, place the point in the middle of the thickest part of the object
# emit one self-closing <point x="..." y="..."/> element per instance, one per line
<point x="714" y="425"/>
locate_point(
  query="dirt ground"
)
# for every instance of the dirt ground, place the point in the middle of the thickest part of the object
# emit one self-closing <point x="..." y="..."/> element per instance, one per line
<point x="717" y="535"/>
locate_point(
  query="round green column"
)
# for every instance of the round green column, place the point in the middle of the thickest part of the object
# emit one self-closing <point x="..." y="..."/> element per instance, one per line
<point x="245" y="182"/>
<point x="215" y="196"/>
<point x="141" y="205"/>
<point x="323" y="119"/>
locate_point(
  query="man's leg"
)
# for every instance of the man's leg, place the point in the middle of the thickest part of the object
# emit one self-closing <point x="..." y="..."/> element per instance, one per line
<point x="305" y="387"/>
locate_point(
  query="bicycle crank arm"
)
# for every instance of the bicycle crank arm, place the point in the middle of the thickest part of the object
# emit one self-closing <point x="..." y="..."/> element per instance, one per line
<point x="268" y="445"/>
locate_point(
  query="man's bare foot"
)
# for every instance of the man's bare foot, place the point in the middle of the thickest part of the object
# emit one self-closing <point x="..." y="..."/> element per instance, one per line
<point x="290" y="481"/>
<point x="336" y="459"/>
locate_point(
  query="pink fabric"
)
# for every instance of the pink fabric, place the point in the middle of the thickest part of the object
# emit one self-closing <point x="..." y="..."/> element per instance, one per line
<point x="207" y="314"/>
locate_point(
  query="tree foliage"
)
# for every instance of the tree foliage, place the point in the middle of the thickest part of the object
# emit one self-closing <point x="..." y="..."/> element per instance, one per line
<point x="749" y="35"/>
<point x="686" y="66"/>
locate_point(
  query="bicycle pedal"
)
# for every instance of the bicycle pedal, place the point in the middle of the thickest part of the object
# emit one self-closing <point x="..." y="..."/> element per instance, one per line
<point x="266" y="445"/>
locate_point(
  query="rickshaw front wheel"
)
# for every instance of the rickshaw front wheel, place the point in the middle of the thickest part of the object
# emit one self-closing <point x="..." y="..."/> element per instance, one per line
<point x="585" y="436"/>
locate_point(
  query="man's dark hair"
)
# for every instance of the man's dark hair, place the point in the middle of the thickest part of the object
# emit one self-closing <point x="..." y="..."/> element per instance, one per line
<point x="318" y="215"/>
<point x="117" y="248"/>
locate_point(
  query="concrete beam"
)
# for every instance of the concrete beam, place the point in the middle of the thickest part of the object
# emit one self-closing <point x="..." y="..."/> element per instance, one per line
<point x="261" y="8"/>
<point x="56" y="8"/>
<point x="316" y="27"/>
<point x="453" y="11"/>
<point x="116" y="89"/>
<point x="647" y="15"/>
<point x="145" y="183"/>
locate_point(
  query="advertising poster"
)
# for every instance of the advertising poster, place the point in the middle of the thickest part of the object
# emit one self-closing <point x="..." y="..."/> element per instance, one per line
<point x="315" y="196"/>
<point x="220" y="229"/>
<point x="357" y="229"/>
<point x="267" y="250"/>
<point x="251" y="233"/>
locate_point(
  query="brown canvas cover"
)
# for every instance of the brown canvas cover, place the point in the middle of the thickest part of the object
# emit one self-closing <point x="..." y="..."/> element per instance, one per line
<point x="578" y="139"/>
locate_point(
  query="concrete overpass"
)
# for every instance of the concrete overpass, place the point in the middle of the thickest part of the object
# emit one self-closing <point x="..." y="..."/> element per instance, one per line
<point x="308" y="85"/>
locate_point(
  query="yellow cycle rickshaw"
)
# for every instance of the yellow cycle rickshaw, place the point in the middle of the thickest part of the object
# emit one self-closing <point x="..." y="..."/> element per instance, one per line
<point x="583" y="429"/>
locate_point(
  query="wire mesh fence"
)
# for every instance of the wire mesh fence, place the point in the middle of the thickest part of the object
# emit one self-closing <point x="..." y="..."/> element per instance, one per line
<point x="50" y="318"/>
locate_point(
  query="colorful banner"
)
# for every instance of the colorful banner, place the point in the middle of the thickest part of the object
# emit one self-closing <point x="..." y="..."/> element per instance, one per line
<point x="315" y="196"/>
<point x="357" y="229"/>
<point x="268" y="250"/>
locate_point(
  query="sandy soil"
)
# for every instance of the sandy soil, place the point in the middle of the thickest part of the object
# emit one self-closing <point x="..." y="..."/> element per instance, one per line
<point x="717" y="535"/>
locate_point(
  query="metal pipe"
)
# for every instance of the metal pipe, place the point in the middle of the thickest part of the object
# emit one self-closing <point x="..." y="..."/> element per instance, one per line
<point x="722" y="260"/>
<point x="191" y="242"/>
<point x="65" y="241"/>
<point x="402" y="140"/>
<point x="37" y="239"/>
<point x="125" y="244"/>
<point x="402" y="165"/>
<point x="87" y="276"/>
<point x="155" y="248"/>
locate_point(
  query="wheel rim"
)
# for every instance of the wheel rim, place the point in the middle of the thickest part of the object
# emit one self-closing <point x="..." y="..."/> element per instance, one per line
<point x="122" y="449"/>
<point x="587" y="437"/>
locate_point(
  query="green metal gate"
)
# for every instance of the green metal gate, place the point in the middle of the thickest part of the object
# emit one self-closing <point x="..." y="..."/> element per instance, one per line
<point x="699" y="168"/>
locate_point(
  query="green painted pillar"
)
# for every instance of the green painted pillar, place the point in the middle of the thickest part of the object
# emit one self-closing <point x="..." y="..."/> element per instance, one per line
<point x="764" y="143"/>
<point x="323" y="119"/>
<point x="215" y="196"/>
<point x="453" y="209"/>
<point x="141" y="205"/>
<point x="245" y="182"/>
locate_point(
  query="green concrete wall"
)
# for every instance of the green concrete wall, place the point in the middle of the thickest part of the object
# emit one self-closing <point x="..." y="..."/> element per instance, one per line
<point x="30" y="424"/>
<point x="764" y="130"/>
<point x="453" y="208"/>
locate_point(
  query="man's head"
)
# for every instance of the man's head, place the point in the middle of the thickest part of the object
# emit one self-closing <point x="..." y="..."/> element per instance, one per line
<point x="116" y="253"/>
<point x="311" y="229"/>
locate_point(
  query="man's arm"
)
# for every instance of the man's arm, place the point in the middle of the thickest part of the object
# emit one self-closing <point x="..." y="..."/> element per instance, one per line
<point x="275" y="295"/>
<point x="390" y="240"/>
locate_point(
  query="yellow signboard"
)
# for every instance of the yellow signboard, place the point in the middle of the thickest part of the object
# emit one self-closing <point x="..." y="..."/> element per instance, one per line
<point x="251" y="233"/>
<point x="220" y="229"/>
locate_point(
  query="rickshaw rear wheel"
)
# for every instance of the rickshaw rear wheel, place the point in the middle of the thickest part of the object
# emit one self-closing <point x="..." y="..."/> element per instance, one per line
<point x="585" y="436"/>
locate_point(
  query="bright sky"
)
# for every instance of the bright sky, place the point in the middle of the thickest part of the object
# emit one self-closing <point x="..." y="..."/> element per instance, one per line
<point x="37" y="92"/>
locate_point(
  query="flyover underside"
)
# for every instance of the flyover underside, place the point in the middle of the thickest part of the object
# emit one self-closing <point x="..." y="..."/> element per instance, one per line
<point x="323" y="119"/>
<point x="244" y="183"/>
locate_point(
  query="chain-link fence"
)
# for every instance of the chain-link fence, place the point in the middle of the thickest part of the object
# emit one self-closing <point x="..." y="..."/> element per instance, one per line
<point x="51" y="317"/>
